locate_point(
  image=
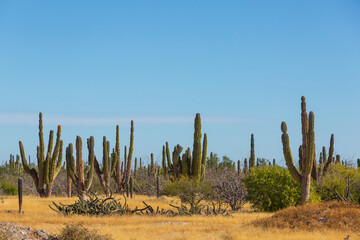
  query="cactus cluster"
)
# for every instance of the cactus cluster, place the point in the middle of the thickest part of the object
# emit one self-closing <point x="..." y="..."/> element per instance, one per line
<point x="80" y="175"/>
<point x="49" y="165"/>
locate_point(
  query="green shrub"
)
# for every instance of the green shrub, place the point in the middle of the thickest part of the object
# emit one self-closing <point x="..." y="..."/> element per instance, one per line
<point x="189" y="190"/>
<point x="271" y="188"/>
<point x="8" y="188"/>
<point x="78" y="232"/>
<point x="336" y="180"/>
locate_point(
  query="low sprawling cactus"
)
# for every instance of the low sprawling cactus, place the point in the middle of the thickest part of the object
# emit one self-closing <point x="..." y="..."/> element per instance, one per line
<point x="49" y="165"/>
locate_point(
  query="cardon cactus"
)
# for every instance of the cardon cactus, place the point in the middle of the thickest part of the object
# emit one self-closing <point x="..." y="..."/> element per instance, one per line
<point x="252" y="153"/>
<point x="81" y="178"/>
<point x="152" y="164"/>
<point x="196" y="156"/>
<point x="113" y="169"/>
<point x="308" y="151"/>
<point x="49" y="166"/>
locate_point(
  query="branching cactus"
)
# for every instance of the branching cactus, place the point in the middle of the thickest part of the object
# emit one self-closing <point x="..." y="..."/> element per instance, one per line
<point x="308" y="151"/>
<point x="104" y="173"/>
<point x="81" y="178"/>
<point x="112" y="166"/>
<point x="49" y="166"/>
<point x="329" y="160"/>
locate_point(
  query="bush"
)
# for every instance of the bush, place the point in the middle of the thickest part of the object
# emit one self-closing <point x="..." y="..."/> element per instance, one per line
<point x="190" y="191"/>
<point x="272" y="188"/>
<point x="336" y="180"/>
<point x="8" y="188"/>
<point x="78" y="232"/>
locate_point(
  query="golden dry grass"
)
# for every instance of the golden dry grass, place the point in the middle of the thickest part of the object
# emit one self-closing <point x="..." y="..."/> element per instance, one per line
<point x="38" y="215"/>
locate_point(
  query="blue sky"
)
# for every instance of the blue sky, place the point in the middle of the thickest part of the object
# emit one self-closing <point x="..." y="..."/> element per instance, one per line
<point x="243" y="65"/>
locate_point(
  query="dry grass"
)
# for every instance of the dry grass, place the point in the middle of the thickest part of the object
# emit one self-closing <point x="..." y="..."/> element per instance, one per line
<point x="38" y="215"/>
<point x="331" y="215"/>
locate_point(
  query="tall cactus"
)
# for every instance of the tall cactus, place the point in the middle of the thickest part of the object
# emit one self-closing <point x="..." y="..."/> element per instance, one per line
<point x="196" y="156"/>
<point x="308" y="151"/>
<point x="238" y="168"/>
<point x="252" y="153"/>
<point x="152" y="164"/>
<point x="164" y="159"/>
<point x="168" y="158"/>
<point x="127" y="169"/>
<point x="49" y="166"/>
<point x="81" y="178"/>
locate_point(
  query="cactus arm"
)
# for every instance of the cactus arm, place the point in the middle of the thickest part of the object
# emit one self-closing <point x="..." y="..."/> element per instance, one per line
<point x="168" y="156"/>
<point x="46" y="168"/>
<point x="204" y="153"/>
<point x="310" y="145"/>
<point x="51" y="142"/>
<point x="54" y="156"/>
<point x="129" y="156"/>
<point x="330" y="157"/>
<point x="287" y="153"/>
<point x="60" y="158"/>
<point x="23" y="158"/>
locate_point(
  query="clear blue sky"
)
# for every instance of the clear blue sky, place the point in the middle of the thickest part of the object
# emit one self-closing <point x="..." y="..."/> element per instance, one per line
<point x="243" y="65"/>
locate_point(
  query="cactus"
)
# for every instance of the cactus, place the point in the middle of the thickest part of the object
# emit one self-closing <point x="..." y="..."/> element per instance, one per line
<point x="81" y="178"/>
<point x="358" y="163"/>
<point x="308" y="151"/>
<point x="245" y="166"/>
<point x="49" y="166"/>
<point x="176" y="161"/>
<point x="140" y="165"/>
<point x="204" y="152"/>
<point x="135" y="167"/>
<point x="252" y="153"/>
<point x="125" y="157"/>
<point x="330" y="157"/>
<point x="274" y="162"/>
<point x="168" y="158"/>
<point x="238" y="168"/>
<point x="152" y="164"/>
<point x="111" y="166"/>
<point x="131" y="186"/>
<point x="157" y="186"/>
<point x="338" y="161"/>
<point x="196" y="155"/>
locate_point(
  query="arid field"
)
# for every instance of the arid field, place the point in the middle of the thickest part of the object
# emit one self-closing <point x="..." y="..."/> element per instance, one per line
<point x="38" y="215"/>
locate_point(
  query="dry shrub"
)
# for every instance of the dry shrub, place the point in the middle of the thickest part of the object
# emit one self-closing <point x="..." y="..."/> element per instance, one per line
<point x="331" y="215"/>
<point x="78" y="232"/>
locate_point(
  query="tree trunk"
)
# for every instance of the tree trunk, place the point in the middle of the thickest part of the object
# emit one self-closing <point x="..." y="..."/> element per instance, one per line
<point x="305" y="188"/>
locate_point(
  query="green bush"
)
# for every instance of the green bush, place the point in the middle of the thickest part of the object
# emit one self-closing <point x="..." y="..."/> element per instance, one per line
<point x="336" y="180"/>
<point x="78" y="232"/>
<point x="189" y="191"/>
<point x="8" y="188"/>
<point x="271" y="188"/>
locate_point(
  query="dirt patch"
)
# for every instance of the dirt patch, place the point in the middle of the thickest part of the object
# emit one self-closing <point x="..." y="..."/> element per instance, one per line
<point x="14" y="231"/>
<point x="332" y="215"/>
